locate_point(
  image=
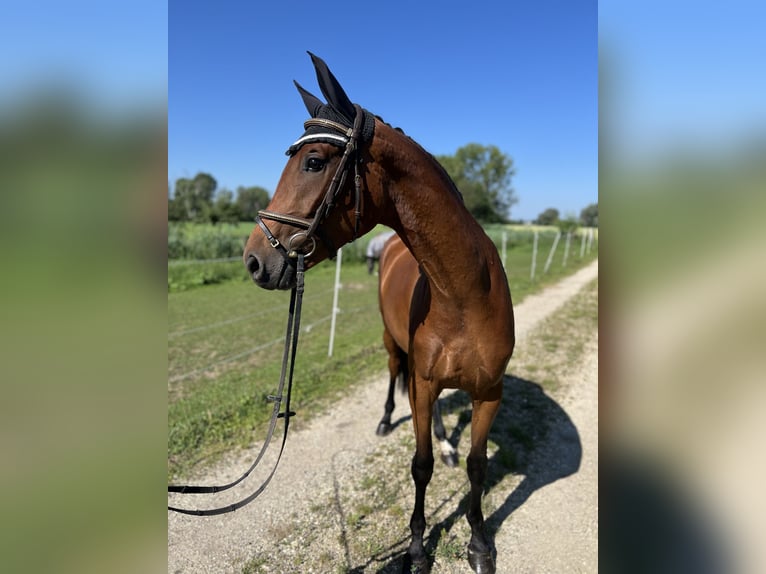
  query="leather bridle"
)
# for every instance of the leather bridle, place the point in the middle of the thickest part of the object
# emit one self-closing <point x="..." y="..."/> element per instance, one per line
<point x="310" y="227"/>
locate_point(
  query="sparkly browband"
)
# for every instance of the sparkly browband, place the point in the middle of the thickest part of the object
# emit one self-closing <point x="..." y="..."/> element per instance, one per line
<point x="326" y="138"/>
<point x="317" y="130"/>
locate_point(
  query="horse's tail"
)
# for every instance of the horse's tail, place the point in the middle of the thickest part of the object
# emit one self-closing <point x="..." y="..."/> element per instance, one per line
<point x="403" y="377"/>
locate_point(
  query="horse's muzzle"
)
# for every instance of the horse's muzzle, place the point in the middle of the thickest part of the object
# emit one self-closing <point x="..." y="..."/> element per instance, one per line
<point x="270" y="272"/>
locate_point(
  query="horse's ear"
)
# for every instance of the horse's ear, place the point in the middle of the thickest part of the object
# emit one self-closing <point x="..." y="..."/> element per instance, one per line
<point x="331" y="89"/>
<point x="312" y="103"/>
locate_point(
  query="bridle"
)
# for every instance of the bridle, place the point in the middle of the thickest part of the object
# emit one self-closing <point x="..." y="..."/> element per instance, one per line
<point x="349" y="137"/>
<point x="310" y="228"/>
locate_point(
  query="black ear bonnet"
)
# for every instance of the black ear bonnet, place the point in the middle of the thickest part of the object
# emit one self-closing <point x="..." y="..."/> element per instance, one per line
<point x="338" y="109"/>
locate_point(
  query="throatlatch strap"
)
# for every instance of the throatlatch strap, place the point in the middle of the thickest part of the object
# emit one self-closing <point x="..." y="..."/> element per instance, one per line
<point x="291" y="346"/>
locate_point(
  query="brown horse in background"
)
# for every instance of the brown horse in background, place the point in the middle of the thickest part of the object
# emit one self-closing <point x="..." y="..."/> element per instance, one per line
<point x="456" y="323"/>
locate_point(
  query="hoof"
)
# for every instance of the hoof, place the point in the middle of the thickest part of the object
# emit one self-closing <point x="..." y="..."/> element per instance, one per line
<point x="384" y="429"/>
<point x="451" y="460"/>
<point x="419" y="567"/>
<point x="481" y="563"/>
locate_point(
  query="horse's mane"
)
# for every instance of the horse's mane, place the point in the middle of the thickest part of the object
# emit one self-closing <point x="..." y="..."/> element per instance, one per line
<point x="452" y="187"/>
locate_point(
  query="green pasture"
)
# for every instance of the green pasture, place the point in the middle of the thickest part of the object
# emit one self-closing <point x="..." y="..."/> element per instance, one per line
<point x="225" y="343"/>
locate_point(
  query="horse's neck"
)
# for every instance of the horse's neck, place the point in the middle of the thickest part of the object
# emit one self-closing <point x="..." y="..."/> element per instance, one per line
<point x="451" y="248"/>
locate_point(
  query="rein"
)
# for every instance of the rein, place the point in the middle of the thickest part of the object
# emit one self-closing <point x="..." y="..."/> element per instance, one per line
<point x="291" y="345"/>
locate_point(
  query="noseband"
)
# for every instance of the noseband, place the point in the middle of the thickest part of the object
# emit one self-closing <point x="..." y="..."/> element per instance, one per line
<point x="310" y="227"/>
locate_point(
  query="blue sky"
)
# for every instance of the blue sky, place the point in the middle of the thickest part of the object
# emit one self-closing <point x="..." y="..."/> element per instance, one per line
<point x="109" y="54"/>
<point x="683" y="76"/>
<point x="521" y="76"/>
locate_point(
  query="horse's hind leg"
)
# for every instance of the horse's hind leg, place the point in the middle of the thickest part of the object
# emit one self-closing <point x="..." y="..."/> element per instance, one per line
<point x="479" y="549"/>
<point x="448" y="452"/>
<point x="384" y="426"/>
<point x="397" y="361"/>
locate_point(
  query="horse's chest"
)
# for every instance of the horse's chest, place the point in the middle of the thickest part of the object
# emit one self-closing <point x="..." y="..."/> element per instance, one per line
<point x="454" y="362"/>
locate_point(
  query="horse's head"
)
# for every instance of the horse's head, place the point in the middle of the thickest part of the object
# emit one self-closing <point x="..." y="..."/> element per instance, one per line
<point x="316" y="207"/>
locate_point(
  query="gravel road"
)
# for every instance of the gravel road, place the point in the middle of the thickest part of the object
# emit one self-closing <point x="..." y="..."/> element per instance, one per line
<point x="341" y="498"/>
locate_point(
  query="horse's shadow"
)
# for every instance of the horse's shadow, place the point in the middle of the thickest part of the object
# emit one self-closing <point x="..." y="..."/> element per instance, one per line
<point x="535" y="438"/>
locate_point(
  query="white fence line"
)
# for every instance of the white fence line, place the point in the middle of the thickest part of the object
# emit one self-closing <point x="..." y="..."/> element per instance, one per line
<point x="224" y="361"/>
<point x="586" y="245"/>
<point x="566" y="249"/>
<point x="534" y="257"/>
<point x="553" y="250"/>
<point x="304" y="328"/>
<point x="335" y="309"/>
<point x="238" y="319"/>
<point x="220" y="323"/>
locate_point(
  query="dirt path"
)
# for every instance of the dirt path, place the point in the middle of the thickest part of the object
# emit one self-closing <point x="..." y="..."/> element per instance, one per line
<point x="340" y="501"/>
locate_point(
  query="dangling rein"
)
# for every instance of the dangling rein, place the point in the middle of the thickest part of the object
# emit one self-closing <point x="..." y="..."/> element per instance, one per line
<point x="291" y="344"/>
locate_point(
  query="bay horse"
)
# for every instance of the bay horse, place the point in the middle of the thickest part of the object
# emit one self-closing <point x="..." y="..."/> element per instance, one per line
<point x="457" y="322"/>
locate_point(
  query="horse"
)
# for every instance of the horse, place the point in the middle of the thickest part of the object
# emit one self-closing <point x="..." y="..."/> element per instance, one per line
<point x="399" y="273"/>
<point x="375" y="248"/>
<point x="348" y="172"/>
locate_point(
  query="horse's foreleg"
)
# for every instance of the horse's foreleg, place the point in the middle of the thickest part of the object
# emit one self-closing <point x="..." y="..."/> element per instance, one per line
<point x="422" y="469"/>
<point x="479" y="549"/>
<point x="448" y="452"/>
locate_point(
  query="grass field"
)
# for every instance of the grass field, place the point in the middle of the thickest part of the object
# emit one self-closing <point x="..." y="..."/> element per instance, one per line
<point x="225" y="346"/>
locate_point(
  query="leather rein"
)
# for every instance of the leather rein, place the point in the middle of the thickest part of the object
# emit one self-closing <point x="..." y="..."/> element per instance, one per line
<point x="310" y="228"/>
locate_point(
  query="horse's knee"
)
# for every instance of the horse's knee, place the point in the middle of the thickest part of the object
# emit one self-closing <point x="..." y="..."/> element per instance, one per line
<point x="422" y="468"/>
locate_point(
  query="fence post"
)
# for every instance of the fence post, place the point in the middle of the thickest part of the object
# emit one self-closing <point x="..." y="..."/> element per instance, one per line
<point x="582" y="244"/>
<point x="553" y="250"/>
<point x="534" y="258"/>
<point x="566" y="249"/>
<point x="335" y="301"/>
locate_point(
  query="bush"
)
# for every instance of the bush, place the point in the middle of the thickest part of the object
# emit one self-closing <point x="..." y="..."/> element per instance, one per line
<point x="206" y="241"/>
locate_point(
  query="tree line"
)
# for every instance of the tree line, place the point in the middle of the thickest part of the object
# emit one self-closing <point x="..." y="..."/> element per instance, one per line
<point x="481" y="173"/>
<point x="198" y="199"/>
<point x="551" y="216"/>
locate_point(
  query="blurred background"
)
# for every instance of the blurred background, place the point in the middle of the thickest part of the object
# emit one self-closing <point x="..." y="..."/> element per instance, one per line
<point x="83" y="198"/>
<point x="682" y="176"/>
<point x="83" y="106"/>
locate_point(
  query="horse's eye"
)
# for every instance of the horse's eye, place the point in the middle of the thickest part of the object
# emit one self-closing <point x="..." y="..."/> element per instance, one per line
<point x="314" y="164"/>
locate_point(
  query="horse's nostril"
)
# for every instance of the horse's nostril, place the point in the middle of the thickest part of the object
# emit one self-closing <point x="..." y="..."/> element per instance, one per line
<point x="252" y="263"/>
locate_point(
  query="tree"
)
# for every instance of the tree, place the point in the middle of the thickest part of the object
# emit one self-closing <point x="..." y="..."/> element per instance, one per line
<point x="483" y="176"/>
<point x="224" y="209"/>
<point x="175" y="210"/>
<point x="548" y="217"/>
<point x="194" y="197"/>
<point x="589" y="215"/>
<point x="249" y="201"/>
<point x="568" y="224"/>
